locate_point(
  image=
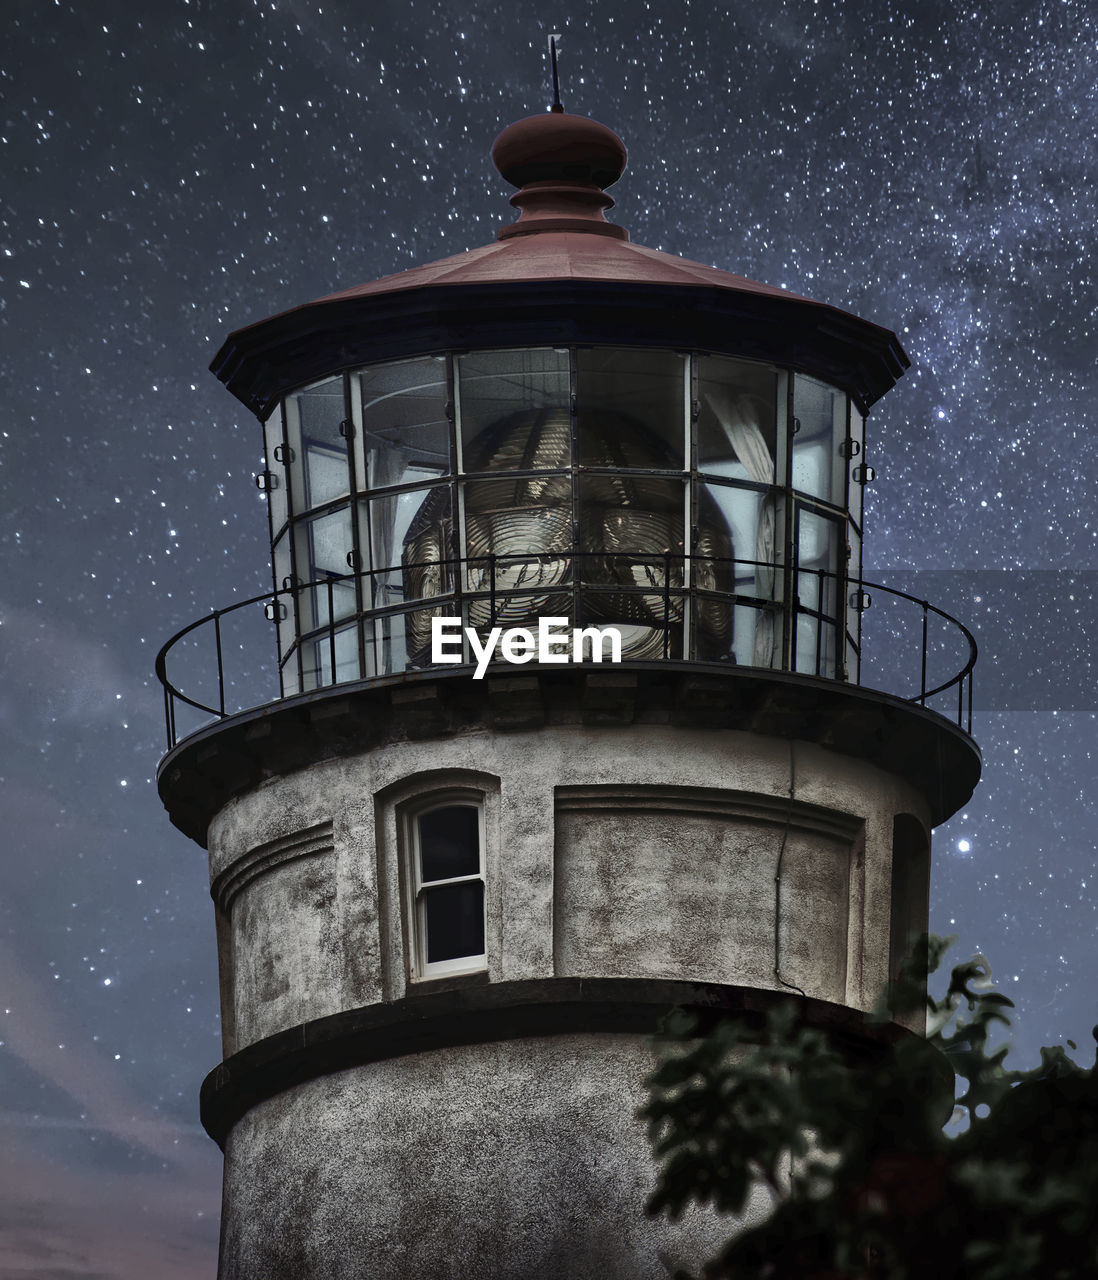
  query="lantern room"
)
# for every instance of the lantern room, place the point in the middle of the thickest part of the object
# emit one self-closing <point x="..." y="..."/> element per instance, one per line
<point x="563" y="424"/>
<point x="653" y="490"/>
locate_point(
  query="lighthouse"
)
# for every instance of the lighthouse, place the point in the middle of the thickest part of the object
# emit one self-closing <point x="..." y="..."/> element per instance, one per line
<point x="557" y="715"/>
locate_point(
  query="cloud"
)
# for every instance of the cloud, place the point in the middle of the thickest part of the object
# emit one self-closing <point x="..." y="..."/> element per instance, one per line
<point x="67" y="1216"/>
<point x="35" y="1028"/>
<point x="58" y="1224"/>
<point x="58" y="670"/>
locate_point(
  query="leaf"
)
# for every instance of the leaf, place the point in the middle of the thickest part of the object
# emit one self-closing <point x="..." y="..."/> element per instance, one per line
<point x="866" y="1181"/>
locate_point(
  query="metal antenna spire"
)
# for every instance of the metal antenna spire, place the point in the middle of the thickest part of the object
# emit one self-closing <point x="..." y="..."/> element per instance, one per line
<point x="554" y="45"/>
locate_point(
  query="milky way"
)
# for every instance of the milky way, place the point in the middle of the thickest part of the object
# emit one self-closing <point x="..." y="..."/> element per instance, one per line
<point x="175" y="171"/>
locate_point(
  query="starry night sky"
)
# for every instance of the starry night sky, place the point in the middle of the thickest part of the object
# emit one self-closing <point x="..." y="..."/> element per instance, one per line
<point x="175" y="171"/>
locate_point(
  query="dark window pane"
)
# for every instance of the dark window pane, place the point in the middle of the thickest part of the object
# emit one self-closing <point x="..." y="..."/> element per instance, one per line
<point x="455" y="920"/>
<point x="631" y="408"/>
<point x="449" y="842"/>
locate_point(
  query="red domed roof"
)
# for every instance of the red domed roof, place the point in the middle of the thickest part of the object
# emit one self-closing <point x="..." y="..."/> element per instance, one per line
<point x="561" y="273"/>
<point x="560" y="255"/>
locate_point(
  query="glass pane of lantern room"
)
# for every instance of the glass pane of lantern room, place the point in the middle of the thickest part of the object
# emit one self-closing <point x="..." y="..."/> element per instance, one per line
<point x="631" y="408"/>
<point x="759" y="635"/>
<point x="317" y="658"/>
<point x="411" y="535"/>
<point x="323" y="544"/>
<point x="400" y="414"/>
<point x="398" y="642"/>
<point x="514" y="410"/>
<point x="510" y="607"/>
<point x="526" y="524"/>
<point x="736" y="523"/>
<point x="737" y="408"/>
<point x="319" y="469"/>
<point x="734" y="553"/>
<point x="627" y="520"/>
<point x="326" y="544"/>
<point x="396" y="648"/>
<point x="632" y="534"/>
<point x="818" y="542"/>
<point x="818" y="465"/>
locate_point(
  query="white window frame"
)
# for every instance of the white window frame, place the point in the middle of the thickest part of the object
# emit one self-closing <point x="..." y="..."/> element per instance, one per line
<point x="416" y="908"/>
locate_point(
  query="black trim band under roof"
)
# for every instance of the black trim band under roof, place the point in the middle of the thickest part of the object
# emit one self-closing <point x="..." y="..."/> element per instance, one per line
<point x="262" y="362"/>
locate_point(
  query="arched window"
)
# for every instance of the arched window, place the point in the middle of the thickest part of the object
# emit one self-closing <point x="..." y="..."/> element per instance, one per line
<point x="444" y="841"/>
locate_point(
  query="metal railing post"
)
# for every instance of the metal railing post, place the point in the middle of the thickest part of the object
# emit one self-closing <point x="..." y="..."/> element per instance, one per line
<point x="922" y="682"/>
<point x="296" y="596"/>
<point x="860" y="615"/>
<point x="220" y="663"/>
<point x="331" y="630"/>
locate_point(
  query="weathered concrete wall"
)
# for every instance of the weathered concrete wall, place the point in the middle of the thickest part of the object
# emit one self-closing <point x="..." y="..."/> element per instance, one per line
<point x="642" y="852"/>
<point x="646" y="852"/>
<point x="520" y="1160"/>
<point x="286" y="947"/>
<point x="679" y="880"/>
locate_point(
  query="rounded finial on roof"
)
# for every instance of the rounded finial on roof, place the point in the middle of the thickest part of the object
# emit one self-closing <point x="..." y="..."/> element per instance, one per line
<point x="559" y="147"/>
<point x="562" y="165"/>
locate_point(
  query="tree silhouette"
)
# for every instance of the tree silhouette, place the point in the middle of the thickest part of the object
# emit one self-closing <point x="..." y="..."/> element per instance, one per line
<point x="882" y="1169"/>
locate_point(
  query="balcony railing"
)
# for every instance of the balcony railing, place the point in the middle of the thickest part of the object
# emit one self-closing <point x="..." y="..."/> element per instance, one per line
<point x="311" y="636"/>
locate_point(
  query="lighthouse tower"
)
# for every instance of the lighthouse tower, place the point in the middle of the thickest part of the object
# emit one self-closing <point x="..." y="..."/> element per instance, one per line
<point x="556" y="716"/>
